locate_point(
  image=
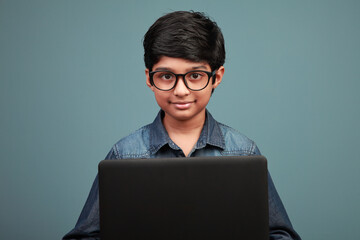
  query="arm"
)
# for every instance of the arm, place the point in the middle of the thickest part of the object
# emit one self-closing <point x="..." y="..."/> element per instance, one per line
<point x="88" y="224"/>
<point x="280" y="227"/>
<point x="279" y="222"/>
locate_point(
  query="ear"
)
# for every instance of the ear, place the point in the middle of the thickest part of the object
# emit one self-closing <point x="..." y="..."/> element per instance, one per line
<point x="219" y="75"/>
<point x="148" y="79"/>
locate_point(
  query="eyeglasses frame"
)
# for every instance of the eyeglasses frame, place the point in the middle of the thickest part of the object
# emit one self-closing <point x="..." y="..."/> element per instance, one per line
<point x="210" y="75"/>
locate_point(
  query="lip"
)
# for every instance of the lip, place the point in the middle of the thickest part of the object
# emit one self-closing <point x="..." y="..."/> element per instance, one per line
<point x="183" y="105"/>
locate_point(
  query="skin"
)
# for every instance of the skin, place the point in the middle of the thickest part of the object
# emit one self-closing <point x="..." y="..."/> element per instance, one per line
<point x="184" y="109"/>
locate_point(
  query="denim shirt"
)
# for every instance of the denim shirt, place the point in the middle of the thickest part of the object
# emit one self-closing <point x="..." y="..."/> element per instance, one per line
<point x="153" y="141"/>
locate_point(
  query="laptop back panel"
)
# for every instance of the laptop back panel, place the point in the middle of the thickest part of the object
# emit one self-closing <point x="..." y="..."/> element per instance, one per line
<point x="184" y="198"/>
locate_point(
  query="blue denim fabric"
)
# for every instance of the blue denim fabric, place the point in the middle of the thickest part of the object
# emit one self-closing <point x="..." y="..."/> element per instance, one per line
<point x="152" y="141"/>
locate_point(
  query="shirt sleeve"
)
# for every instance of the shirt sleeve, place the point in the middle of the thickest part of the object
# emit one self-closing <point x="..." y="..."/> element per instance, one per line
<point x="280" y="227"/>
<point x="88" y="224"/>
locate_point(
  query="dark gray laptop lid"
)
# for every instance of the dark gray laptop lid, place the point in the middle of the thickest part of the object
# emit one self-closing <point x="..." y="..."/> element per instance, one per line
<point x="184" y="198"/>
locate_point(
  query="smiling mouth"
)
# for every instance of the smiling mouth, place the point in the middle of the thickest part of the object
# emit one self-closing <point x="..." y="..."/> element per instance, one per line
<point x="183" y="105"/>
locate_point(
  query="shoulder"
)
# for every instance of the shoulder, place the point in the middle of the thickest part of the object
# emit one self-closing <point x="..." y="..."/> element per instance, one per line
<point x="135" y="145"/>
<point x="237" y="143"/>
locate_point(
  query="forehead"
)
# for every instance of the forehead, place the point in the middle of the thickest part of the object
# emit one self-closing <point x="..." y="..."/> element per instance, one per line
<point x="179" y="65"/>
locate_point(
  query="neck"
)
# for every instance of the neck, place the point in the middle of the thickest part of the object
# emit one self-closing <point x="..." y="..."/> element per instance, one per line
<point x="185" y="133"/>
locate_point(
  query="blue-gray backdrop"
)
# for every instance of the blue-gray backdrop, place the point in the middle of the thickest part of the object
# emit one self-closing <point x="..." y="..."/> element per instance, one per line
<point x="72" y="83"/>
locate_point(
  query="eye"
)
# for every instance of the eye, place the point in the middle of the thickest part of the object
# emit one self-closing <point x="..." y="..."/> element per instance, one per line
<point x="195" y="76"/>
<point x="166" y="76"/>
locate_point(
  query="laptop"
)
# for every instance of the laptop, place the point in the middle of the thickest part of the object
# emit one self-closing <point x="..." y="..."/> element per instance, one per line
<point x="184" y="198"/>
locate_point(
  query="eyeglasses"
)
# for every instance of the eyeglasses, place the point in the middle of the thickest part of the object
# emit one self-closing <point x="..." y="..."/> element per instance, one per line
<point x="193" y="80"/>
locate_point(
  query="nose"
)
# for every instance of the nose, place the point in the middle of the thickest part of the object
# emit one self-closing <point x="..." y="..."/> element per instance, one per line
<point x="180" y="88"/>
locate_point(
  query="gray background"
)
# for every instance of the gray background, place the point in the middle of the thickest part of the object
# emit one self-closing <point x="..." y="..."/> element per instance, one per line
<point x="72" y="83"/>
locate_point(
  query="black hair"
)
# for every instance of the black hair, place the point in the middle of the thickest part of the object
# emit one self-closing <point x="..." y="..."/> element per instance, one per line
<point x="184" y="34"/>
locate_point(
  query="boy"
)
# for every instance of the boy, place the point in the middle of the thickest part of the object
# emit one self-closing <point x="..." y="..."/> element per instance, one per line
<point x="184" y="57"/>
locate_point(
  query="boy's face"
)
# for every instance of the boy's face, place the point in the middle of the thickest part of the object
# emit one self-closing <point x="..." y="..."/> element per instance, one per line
<point x="181" y="103"/>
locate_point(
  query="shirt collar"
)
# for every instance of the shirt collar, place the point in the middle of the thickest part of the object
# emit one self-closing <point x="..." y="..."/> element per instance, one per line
<point x="211" y="134"/>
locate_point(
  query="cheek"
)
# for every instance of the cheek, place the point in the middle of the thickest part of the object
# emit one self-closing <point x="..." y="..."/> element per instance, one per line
<point x="161" y="99"/>
<point x="205" y="96"/>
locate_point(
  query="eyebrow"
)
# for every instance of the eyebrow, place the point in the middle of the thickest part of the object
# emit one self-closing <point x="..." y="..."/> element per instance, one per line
<point x="170" y="69"/>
